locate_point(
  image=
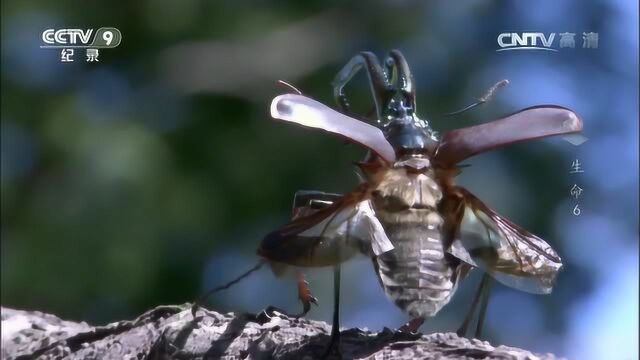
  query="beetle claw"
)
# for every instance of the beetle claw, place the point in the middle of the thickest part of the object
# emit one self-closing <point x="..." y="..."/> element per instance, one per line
<point x="305" y="295"/>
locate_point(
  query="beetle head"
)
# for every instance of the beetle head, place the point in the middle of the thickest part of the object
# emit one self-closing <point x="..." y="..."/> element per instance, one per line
<point x="396" y="108"/>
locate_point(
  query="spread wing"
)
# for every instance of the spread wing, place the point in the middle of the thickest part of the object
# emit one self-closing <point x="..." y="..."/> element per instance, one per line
<point x="328" y="235"/>
<point x="310" y="113"/>
<point x="509" y="253"/>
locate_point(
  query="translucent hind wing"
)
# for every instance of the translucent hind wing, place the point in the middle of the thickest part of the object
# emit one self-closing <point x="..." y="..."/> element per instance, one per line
<point x="509" y="253"/>
<point x="328" y="235"/>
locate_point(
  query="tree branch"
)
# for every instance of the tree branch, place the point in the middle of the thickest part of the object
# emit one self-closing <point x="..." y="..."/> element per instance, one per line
<point x="172" y="332"/>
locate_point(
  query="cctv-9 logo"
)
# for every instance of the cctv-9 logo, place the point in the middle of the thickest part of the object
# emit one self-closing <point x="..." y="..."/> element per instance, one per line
<point x="105" y="37"/>
<point x="108" y="37"/>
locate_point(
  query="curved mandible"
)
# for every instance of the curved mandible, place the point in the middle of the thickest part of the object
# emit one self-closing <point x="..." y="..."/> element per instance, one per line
<point x="377" y="79"/>
<point x="396" y="61"/>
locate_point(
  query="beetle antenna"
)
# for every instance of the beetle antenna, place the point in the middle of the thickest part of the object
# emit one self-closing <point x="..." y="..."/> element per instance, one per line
<point x="282" y="82"/>
<point x="201" y="299"/>
<point x="486" y="97"/>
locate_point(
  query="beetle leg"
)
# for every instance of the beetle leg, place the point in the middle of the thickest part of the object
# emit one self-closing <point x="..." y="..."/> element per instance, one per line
<point x="377" y="80"/>
<point x="305" y="296"/>
<point x="412" y="325"/>
<point x="306" y="202"/>
<point x="334" y="343"/>
<point x="270" y="311"/>
<point x="483" y="307"/>
<point x="485" y="282"/>
<point x="198" y="303"/>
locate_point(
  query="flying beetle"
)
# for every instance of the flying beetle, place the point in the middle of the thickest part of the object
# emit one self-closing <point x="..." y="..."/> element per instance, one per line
<point x="423" y="232"/>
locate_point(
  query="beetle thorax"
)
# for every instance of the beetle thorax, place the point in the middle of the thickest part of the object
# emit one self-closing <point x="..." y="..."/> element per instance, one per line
<point x="406" y="194"/>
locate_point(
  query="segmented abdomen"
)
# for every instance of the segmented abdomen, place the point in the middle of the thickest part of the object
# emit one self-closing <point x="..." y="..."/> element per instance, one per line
<point x="416" y="275"/>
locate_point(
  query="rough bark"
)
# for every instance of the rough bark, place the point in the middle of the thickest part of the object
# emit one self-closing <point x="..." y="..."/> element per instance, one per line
<point x="172" y="332"/>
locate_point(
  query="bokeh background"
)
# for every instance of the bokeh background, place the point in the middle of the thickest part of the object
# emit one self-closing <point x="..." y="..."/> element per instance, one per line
<point x="152" y="175"/>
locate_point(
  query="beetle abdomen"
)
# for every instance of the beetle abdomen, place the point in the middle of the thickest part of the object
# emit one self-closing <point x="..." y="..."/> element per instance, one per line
<point x="415" y="274"/>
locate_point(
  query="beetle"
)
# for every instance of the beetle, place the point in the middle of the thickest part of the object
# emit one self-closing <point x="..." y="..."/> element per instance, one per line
<point x="423" y="232"/>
